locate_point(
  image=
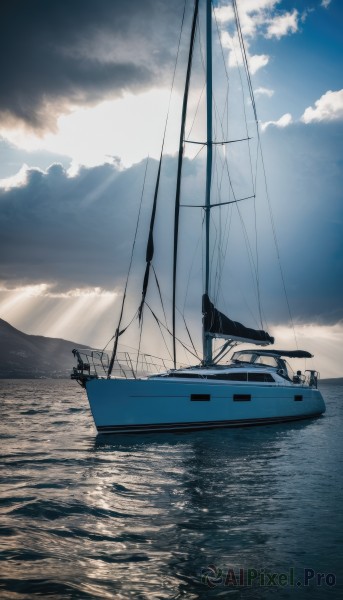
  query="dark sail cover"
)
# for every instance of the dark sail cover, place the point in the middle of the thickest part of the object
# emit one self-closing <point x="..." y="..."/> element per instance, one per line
<point x="216" y="323"/>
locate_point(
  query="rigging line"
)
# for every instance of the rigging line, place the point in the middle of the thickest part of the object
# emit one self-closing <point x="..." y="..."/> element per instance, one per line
<point x="190" y="271"/>
<point x="201" y="94"/>
<point x="237" y="283"/>
<point x="257" y="266"/>
<point x="190" y="337"/>
<point x="116" y="336"/>
<point x="221" y="254"/>
<point x="140" y="341"/>
<point x="117" y="333"/>
<point x="195" y="115"/>
<point x="227" y="229"/>
<point x="179" y="311"/>
<point x="277" y="248"/>
<point x="250" y="254"/>
<point x="223" y="234"/>
<point x="254" y="179"/>
<point x="248" y="138"/>
<point x="179" y="168"/>
<point x="202" y="54"/>
<point x="145" y="353"/>
<point x="221" y="238"/>
<point x="244" y="55"/>
<point x="159" y="323"/>
<point x="160" y="294"/>
<point x="256" y="243"/>
<point x="214" y="245"/>
<point x="220" y="43"/>
<point x="224" y="247"/>
<point x="150" y="244"/>
<point x="263" y="165"/>
<point x="197" y="154"/>
<point x="248" y="246"/>
<point x="218" y="261"/>
<point x="226" y="71"/>
<point x="241" y="218"/>
<point x="248" y="78"/>
<point x="170" y="333"/>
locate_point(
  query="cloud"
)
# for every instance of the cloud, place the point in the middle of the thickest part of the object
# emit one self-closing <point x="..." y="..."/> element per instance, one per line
<point x="72" y="226"/>
<point x="253" y="14"/>
<point x="325" y="3"/>
<point x="284" y="121"/>
<point x="92" y="135"/>
<point x="283" y="25"/>
<point x="262" y="91"/>
<point x="45" y="290"/>
<point x="77" y="232"/>
<point x="14" y="181"/>
<point x="257" y="61"/>
<point x="55" y="56"/>
<point x="257" y="17"/>
<point x="73" y="235"/>
<point x="231" y="43"/>
<point x="329" y="107"/>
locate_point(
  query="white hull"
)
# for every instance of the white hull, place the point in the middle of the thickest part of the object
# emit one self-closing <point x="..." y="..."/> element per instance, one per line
<point x="162" y="404"/>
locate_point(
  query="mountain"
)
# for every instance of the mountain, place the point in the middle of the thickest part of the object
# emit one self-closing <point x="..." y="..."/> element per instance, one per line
<point x="33" y="356"/>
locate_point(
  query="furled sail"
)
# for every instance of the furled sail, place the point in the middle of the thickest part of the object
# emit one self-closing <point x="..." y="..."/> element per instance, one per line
<point x="217" y="324"/>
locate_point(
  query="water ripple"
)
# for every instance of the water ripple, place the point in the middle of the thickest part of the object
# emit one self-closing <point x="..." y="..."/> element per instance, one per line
<point x="142" y="516"/>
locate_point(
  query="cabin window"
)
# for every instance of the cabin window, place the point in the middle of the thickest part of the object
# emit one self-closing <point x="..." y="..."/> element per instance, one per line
<point x="200" y="397"/>
<point x="232" y="376"/>
<point x="241" y="397"/>
<point x="269" y="361"/>
<point x="214" y="376"/>
<point x="261" y="377"/>
<point x="243" y="357"/>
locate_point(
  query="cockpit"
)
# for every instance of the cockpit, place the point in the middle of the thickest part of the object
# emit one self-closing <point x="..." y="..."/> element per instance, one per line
<point x="275" y="359"/>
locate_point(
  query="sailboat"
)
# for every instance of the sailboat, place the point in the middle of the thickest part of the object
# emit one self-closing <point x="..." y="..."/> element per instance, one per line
<point x="255" y="386"/>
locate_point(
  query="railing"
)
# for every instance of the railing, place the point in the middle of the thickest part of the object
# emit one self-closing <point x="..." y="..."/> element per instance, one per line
<point x="309" y="378"/>
<point x="134" y="364"/>
<point x="95" y="363"/>
<point x="90" y="364"/>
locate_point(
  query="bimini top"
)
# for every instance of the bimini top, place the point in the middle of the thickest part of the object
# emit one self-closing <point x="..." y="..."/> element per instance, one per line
<point x="285" y="353"/>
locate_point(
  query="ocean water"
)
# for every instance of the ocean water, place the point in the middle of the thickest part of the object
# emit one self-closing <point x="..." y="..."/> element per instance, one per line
<point x="238" y="513"/>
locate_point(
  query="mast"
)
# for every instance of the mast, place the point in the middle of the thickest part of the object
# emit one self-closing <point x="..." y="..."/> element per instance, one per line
<point x="207" y="339"/>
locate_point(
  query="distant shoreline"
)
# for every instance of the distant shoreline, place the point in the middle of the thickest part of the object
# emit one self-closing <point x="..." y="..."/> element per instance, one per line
<point x="332" y="381"/>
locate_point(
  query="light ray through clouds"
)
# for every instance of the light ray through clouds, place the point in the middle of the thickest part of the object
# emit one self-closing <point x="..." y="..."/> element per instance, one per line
<point x="68" y="315"/>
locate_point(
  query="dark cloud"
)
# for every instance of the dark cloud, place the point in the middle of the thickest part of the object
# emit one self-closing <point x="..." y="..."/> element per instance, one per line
<point x="56" y="53"/>
<point x="68" y="231"/>
<point x="78" y="232"/>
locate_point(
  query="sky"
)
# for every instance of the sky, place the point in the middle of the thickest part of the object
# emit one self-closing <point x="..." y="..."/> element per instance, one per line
<point x="83" y="101"/>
